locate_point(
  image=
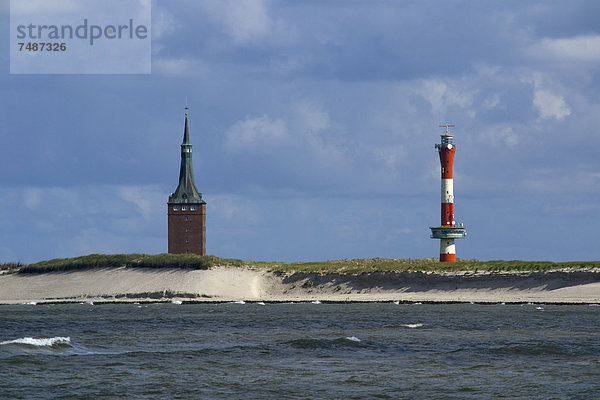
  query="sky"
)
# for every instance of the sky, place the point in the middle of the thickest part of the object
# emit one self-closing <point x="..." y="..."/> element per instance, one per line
<point x="313" y="126"/>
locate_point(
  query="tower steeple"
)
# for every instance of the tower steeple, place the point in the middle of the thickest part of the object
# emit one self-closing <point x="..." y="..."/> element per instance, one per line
<point x="186" y="191"/>
<point x="186" y="209"/>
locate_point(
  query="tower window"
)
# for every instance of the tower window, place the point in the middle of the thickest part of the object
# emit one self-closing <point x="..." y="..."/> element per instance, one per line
<point x="193" y="208"/>
<point x="175" y="208"/>
<point x="184" y="208"/>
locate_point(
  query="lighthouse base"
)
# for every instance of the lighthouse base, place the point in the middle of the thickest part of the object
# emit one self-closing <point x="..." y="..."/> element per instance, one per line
<point x="447" y="234"/>
<point x="447" y="257"/>
<point x="447" y="250"/>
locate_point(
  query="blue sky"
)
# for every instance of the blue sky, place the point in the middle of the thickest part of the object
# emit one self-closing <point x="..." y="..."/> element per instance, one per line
<point x="313" y="125"/>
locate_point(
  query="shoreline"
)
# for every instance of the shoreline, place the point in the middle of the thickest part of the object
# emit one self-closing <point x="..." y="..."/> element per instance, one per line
<point x="183" y="300"/>
<point x="231" y="284"/>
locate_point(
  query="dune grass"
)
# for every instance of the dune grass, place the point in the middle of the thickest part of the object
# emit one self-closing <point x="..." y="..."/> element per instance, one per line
<point x="357" y="266"/>
<point x="10" y="266"/>
<point x="188" y="261"/>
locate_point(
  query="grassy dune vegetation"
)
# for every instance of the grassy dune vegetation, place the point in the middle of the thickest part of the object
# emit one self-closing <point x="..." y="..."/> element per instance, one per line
<point x="359" y="266"/>
<point x="356" y="266"/>
<point x="190" y="261"/>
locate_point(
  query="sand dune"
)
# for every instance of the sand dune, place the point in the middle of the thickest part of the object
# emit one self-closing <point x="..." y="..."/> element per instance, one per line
<point x="232" y="284"/>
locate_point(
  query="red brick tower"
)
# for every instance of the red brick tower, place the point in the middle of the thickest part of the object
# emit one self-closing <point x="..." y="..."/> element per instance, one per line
<point x="186" y="209"/>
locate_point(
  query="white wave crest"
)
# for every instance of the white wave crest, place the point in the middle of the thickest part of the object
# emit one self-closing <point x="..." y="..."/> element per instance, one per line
<point x="316" y="302"/>
<point x="240" y="302"/>
<point x="353" y="338"/>
<point x="40" y="342"/>
<point x="177" y="302"/>
<point x="413" y="325"/>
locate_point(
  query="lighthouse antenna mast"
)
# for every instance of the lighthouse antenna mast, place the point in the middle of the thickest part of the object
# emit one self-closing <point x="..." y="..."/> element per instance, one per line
<point x="446" y="126"/>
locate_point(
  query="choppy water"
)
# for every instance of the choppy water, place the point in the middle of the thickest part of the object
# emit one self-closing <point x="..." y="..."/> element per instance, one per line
<point x="308" y="351"/>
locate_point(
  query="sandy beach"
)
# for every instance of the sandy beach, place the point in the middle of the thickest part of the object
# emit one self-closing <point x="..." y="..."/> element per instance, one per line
<point x="224" y="284"/>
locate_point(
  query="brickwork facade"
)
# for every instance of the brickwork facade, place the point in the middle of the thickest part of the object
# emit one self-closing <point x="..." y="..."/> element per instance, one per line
<point x="187" y="228"/>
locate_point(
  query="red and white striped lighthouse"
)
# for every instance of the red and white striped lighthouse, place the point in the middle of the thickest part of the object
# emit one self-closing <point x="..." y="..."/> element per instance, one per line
<point x="448" y="231"/>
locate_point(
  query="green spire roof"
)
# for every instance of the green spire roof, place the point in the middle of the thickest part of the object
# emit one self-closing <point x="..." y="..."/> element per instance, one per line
<point x="186" y="191"/>
<point x="186" y="134"/>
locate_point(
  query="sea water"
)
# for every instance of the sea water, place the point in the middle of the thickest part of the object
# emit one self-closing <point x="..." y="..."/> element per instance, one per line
<point x="299" y="351"/>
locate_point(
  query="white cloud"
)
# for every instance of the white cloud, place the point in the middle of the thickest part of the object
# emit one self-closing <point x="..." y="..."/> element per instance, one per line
<point x="162" y="23"/>
<point x="143" y="197"/>
<point x="390" y="156"/>
<point x="311" y="117"/>
<point x="75" y="207"/>
<point x="256" y="131"/>
<point x="579" y="179"/>
<point x="312" y="127"/>
<point x="33" y="197"/>
<point x="550" y="105"/>
<point x="104" y="10"/>
<point x="507" y="136"/>
<point x="442" y="94"/>
<point x="492" y="101"/>
<point x="302" y="136"/>
<point x="231" y="208"/>
<point x="177" y="67"/>
<point x="69" y="221"/>
<point x="244" y="20"/>
<point x="578" y="49"/>
<point x="45" y="8"/>
<point x="499" y="135"/>
<point x="247" y="19"/>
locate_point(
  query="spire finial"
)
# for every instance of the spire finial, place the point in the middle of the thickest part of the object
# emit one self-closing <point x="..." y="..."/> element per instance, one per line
<point x="186" y="106"/>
